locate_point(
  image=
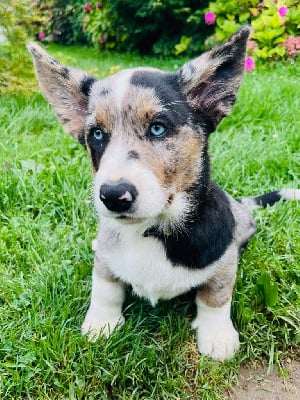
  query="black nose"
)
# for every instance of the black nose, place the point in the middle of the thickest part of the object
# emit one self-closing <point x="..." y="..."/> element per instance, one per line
<point x="118" y="196"/>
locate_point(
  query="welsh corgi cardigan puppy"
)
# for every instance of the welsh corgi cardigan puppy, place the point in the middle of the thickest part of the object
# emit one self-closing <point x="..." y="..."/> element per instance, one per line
<point x="165" y="227"/>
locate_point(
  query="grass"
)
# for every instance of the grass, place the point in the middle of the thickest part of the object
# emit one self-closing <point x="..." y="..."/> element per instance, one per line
<point x="48" y="222"/>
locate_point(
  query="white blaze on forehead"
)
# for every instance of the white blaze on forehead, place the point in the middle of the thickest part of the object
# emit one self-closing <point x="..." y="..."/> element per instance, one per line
<point x="120" y="85"/>
<point x="116" y="85"/>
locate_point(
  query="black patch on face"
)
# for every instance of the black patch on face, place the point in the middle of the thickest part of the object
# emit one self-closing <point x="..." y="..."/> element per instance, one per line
<point x="167" y="89"/>
<point x="206" y="234"/>
<point x="86" y="84"/>
<point x="97" y="147"/>
<point x="133" y="155"/>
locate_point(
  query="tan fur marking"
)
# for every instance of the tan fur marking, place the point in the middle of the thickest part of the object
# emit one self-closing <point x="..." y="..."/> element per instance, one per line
<point x="218" y="290"/>
<point x="141" y="105"/>
<point x="183" y="161"/>
<point x="106" y="114"/>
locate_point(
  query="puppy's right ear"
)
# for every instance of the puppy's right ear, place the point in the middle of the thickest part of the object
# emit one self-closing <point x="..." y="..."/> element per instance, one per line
<point x="66" y="89"/>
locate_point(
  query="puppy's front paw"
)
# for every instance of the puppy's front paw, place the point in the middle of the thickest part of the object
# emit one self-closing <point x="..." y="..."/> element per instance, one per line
<point x="94" y="326"/>
<point x="219" y="342"/>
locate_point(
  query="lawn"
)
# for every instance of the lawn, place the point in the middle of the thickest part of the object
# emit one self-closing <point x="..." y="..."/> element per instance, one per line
<point x="48" y="223"/>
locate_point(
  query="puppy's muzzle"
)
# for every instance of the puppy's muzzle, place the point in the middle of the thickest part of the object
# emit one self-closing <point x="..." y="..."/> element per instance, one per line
<point x="118" y="196"/>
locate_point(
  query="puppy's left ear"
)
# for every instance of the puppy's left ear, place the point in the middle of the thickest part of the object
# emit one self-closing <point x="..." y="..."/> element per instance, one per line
<point x="211" y="81"/>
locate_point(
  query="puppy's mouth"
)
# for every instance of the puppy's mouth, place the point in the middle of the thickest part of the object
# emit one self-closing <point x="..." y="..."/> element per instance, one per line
<point x="128" y="219"/>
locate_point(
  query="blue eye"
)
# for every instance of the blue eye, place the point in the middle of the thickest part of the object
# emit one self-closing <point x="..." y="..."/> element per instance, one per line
<point x="98" y="133"/>
<point x="158" y="130"/>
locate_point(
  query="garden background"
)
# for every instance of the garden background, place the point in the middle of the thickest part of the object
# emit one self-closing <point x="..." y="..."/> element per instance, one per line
<point x="47" y="220"/>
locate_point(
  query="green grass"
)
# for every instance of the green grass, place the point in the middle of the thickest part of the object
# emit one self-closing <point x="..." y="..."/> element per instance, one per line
<point x="48" y="222"/>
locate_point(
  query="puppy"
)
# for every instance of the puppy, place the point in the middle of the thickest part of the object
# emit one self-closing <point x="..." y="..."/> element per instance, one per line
<point x="165" y="227"/>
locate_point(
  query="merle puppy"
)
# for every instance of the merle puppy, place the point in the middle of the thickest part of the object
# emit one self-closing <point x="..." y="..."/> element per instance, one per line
<point x="165" y="227"/>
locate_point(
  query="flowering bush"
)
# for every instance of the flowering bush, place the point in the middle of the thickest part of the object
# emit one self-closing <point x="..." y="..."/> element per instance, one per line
<point x="275" y="24"/>
<point x="98" y="25"/>
<point x="60" y="21"/>
<point x="160" y="26"/>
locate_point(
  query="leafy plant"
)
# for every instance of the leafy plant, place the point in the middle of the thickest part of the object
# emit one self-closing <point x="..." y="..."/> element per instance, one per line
<point x="147" y="26"/>
<point x="60" y="21"/>
<point x="16" y="22"/>
<point x="266" y="290"/>
<point x="98" y="24"/>
<point x="275" y="25"/>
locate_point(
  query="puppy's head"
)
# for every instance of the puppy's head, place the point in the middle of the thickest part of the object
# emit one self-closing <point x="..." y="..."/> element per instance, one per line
<point x="146" y="130"/>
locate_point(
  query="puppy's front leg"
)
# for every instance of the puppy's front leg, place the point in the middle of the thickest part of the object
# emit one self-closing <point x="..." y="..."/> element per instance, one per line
<point x="105" y="311"/>
<point x="216" y="335"/>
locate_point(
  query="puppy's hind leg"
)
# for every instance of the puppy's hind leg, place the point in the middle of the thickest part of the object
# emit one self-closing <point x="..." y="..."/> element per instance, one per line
<point x="105" y="311"/>
<point x="216" y="335"/>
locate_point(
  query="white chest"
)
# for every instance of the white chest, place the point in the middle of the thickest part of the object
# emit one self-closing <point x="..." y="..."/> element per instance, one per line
<point x="142" y="262"/>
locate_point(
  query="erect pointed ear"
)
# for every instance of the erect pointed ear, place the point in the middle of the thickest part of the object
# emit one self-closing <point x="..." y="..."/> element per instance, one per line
<point x="211" y="81"/>
<point x="66" y="89"/>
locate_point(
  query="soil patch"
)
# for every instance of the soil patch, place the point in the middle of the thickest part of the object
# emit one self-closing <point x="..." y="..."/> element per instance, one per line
<point x="257" y="384"/>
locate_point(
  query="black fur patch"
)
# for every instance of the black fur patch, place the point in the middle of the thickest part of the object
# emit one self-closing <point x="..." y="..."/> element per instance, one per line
<point x="268" y="199"/>
<point x="206" y="233"/>
<point x="97" y="148"/>
<point x="86" y="84"/>
<point x="167" y="89"/>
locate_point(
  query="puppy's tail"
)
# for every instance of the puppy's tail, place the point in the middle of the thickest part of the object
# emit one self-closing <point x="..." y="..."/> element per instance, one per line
<point x="268" y="199"/>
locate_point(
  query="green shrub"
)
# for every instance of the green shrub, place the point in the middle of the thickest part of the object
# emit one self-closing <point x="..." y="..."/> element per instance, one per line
<point x="61" y="21"/>
<point x="275" y="25"/>
<point x="152" y="26"/>
<point x="16" y="24"/>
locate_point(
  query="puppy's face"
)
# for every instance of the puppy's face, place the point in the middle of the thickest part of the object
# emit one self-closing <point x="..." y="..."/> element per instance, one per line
<point x="146" y="130"/>
<point x="143" y="143"/>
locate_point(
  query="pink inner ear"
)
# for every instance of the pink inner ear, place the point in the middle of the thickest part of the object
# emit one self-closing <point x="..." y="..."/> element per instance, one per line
<point x="205" y="95"/>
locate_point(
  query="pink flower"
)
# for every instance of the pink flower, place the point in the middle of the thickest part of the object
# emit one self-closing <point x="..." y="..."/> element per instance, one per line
<point x="210" y="18"/>
<point x="249" y="64"/>
<point x="282" y="11"/>
<point x="292" y="45"/>
<point x="99" y="6"/>
<point x="87" y="7"/>
<point x="102" y="39"/>
<point x="41" y="35"/>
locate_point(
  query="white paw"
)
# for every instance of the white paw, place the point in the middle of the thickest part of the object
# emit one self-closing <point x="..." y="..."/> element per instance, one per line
<point x="95" y="326"/>
<point x="219" y="342"/>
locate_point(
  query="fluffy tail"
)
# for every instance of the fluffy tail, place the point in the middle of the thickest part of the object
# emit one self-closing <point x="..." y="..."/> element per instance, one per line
<point x="268" y="199"/>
